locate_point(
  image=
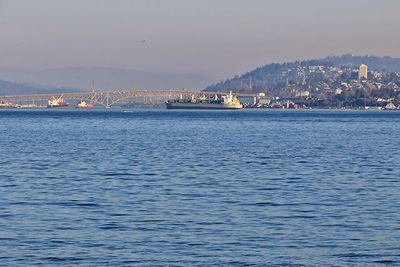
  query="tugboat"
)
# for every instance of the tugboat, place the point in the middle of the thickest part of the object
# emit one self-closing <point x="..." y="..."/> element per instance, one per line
<point x="57" y="103"/>
<point x="83" y="104"/>
<point x="225" y="102"/>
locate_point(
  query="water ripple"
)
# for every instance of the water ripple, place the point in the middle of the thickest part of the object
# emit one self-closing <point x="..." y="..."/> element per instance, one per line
<point x="191" y="188"/>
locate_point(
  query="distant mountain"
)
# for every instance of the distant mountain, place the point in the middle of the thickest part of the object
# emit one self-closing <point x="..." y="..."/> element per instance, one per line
<point x="106" y="78"/>
<point x="14" y="88"/>
<point x="275" y="79"/>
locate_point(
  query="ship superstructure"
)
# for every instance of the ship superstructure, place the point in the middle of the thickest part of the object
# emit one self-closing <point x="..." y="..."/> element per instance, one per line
<point x="57" y="102"/>
<point x="228" y="101"/>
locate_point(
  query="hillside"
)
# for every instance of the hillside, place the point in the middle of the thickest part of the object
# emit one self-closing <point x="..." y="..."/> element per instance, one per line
<point x="319" y="77"/>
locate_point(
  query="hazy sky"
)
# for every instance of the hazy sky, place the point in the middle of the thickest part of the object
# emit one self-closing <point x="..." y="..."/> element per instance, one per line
<point x="213" y="37"/>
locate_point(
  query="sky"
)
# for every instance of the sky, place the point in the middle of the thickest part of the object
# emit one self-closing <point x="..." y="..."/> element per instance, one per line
<point x="217" y="38"/>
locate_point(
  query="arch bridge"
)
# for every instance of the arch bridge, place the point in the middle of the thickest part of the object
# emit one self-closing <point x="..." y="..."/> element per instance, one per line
<point x="111" y="98"/>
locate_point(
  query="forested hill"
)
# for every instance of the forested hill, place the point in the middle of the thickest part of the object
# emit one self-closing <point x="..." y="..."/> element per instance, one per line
<point x="385" y="64"/>
<point x="288" y="79"/>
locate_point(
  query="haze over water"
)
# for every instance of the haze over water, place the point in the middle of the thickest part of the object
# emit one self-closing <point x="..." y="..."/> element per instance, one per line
<point x="213" y="39"/>
<point x="191" y="188"/>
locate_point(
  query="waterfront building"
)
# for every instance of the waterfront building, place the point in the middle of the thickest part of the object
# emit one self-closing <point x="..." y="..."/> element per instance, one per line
<point x="363" y="72"/>
<point x="338" y="91"/>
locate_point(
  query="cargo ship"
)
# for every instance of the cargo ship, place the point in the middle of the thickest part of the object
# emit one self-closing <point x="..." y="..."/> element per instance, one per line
<point x="224" y="102"/>
<point x="57" y="103"/>
<point x="83" y="104"/>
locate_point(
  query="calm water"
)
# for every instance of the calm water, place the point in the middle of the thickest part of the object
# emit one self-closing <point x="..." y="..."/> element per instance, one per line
<point x="199" y="188"/>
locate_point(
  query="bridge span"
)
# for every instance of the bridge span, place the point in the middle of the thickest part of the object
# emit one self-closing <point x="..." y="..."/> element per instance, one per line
<point x="111" y="98"/>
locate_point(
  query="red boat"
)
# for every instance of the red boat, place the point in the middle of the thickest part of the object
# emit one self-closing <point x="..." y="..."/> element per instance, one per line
<point x="83" y="104"/>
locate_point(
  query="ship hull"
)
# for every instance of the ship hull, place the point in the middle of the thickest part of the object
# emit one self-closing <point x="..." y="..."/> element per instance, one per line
<point x="85" y="107"/>
<point x="57" y="106"/>
<point x="202" y="106"/>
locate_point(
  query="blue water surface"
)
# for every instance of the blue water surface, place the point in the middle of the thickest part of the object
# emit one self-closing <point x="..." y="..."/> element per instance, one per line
<point x="199" y="188"/>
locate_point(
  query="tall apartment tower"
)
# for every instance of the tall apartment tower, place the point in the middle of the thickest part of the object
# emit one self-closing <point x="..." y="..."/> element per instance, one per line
<point x="363" y="72"/>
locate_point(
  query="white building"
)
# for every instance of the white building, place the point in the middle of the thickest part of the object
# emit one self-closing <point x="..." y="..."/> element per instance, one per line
<point x="338" y="91"/>
<point x="363" y="72"/>
<point x="303" y="94"/>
